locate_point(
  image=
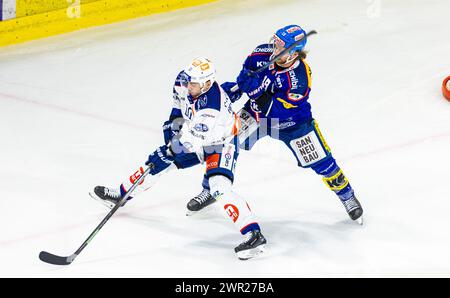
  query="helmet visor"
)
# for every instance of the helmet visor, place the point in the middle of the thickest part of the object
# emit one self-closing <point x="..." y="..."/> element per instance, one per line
<point x="278" y="46"/>
<point x="275" y="41"/>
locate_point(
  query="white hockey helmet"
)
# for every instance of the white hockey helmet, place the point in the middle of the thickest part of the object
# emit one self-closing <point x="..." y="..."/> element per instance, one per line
<point x="201" y="70"/>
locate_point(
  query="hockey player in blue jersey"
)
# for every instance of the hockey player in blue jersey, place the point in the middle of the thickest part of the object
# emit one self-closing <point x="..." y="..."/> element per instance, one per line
<point x="278" y="107"/>
<point x="202" y="128"/>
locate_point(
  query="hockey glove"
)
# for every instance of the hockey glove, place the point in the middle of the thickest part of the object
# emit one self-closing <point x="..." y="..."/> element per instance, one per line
<point x="260" y="104"/>
<point x="250" y="83"/>
<point x="233" y="95"/>
<point x="181" y="156"/>
<point x="160" y="160"/>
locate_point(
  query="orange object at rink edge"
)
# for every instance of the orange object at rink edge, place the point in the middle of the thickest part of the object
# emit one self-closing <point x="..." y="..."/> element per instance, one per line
<point x="446" y="88"/>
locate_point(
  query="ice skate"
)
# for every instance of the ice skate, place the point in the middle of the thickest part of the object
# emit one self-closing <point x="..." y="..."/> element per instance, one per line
<point x="253" y="245"/>
<point x="199" y="202"/>
<point x="354" y="209"/>
<point x="107" y="196"/>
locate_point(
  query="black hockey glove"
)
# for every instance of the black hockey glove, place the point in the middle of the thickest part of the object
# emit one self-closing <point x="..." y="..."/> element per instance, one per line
<point x="261" y="103"/>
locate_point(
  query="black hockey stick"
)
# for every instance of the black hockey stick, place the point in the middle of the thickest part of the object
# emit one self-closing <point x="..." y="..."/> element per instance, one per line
<point x="57" y="260"/>
<point x="287" y="50"/>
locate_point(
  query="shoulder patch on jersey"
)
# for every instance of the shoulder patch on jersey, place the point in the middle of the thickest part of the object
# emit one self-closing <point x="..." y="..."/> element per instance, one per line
<point x="295" y="96"/>
<point x="203" y="101"/>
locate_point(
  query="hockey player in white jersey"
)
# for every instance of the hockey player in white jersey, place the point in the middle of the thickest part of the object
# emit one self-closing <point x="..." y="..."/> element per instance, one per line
<point x="202" y="128"/>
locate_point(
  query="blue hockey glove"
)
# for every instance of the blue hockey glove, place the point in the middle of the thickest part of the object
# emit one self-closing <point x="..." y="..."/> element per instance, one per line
<point x="250" y="83"/>
<point x="160" y="160"/>
<point x="233" y="95"/>
<point x="183" y="158"/>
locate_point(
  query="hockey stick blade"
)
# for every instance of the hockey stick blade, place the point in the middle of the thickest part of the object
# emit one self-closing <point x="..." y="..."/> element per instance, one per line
<point x="54" y="259"/>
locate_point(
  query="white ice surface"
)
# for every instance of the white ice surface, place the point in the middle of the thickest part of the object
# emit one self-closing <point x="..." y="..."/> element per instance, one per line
<point x="85" y="108"/>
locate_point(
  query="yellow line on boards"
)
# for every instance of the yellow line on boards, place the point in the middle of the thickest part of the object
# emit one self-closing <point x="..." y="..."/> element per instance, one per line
<point x="80" y="15"/>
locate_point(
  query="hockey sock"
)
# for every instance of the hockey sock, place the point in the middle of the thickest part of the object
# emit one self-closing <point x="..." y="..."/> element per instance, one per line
<point x="148" y="182"/>
<point x="232" y="205"/>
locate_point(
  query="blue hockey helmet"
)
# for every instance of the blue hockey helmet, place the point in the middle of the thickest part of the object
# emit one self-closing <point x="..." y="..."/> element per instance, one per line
<point x="288" y="35"/>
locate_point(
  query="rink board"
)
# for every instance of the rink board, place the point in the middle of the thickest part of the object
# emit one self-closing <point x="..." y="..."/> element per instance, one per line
<point x="37" y="19"/>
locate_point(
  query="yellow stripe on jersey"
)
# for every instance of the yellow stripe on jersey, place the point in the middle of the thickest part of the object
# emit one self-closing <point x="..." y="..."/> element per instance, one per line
<point x="319" y="133"/>
<point x="308" y="72"/>
<point x="286" y="105"/>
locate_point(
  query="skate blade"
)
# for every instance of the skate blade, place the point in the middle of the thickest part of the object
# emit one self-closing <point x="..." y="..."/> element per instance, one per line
<point x="204" y="211"/>
<point x="190" y="213"/>
<point x="360" y="221"/>
<point x="251" y="253"/>
<point x="103" y="202"/>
